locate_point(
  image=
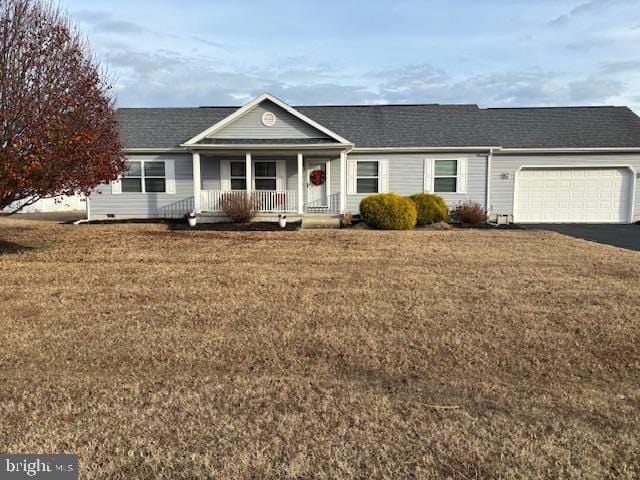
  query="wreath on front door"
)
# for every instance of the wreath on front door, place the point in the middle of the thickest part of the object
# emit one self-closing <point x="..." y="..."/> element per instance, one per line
<point x="317" y="177"/>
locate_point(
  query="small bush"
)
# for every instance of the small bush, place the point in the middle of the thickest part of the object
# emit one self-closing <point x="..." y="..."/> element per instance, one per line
<point x="431" y="208"/>
<point x="388" y="211"/>
<point x="469" y="213"/>
<point x="238" y="206"/>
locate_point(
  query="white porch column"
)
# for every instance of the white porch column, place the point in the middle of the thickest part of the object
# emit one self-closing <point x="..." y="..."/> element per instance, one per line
<point x="300" y="184"/>
<point x="343" y="181"/>
<point x="196" y="182"/>
<point x="249" y="172"/>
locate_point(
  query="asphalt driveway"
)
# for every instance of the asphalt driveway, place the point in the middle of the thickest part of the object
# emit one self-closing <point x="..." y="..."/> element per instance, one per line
<point x="623" y="236"/>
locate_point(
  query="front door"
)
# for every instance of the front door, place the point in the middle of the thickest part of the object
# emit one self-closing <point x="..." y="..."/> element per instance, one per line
<point x="317" y="178"/>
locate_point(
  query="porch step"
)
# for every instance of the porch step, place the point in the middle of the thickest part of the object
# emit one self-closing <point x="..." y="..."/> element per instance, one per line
<point x="320" y="221"/>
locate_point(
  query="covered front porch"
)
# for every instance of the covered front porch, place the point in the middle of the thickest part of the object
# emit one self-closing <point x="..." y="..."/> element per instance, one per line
<point x="297" y="182"/>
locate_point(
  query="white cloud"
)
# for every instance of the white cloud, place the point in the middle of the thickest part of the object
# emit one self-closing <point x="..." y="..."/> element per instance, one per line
<point x="102" y="22"/>
<point x="583" y="9"/>
<point x="169" y="78"/>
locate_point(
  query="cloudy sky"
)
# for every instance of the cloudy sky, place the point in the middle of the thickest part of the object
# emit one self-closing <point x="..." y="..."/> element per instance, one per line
<point x="490" y="52"/>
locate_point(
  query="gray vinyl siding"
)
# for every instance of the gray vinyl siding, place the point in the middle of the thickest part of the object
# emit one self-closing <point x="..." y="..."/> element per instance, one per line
<point x="148" y="205"/>
<point x="286" y="126"/>
<point x="406" y="176"/>
<point x="210" y="171"/>
<point x="502" y="189"/>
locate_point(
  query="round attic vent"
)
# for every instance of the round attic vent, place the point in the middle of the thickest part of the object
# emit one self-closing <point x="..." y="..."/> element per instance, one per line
<point x="268" y="119"/>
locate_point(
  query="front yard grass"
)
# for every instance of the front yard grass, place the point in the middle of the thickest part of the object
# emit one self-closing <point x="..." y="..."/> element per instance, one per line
<point x="178" y="354"/>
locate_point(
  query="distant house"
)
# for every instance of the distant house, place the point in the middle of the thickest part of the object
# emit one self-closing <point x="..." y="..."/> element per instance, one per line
<point x="568" y="164"/>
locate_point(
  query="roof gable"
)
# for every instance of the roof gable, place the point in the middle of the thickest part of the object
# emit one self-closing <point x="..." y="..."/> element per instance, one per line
<point x="247" y="123"/>
<point x="251" y="125"/>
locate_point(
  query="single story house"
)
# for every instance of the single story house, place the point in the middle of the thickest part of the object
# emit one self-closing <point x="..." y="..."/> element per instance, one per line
<point x="567" y="164"/>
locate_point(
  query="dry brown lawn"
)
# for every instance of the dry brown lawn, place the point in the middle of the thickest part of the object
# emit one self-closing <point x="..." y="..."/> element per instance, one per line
<point x="352" y="354"/>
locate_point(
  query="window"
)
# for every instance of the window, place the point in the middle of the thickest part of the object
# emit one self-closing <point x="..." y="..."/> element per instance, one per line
<point x="445" y="179"/>
<point x="367" y="177"/>
<point x="265" y="175"/>
<point x="154" y="177"/>
<point x="132" y="178"/>
<point x="144" y="177"/>
<point x="238" y="176"/>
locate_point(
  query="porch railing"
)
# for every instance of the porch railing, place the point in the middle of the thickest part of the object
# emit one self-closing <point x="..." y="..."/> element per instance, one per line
<point x="265" y="200"/>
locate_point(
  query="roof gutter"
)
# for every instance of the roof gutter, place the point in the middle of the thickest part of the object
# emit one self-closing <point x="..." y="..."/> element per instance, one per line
<point x="494" y="149"/>
<point x="425" y="149"/>
<point x="155" y="150"/>
<point x="488" y="198"/>
<point x="261" y="146"/>
<point x="572" y="150"/>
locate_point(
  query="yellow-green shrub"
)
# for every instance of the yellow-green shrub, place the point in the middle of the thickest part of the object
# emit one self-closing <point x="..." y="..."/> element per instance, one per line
<point x="388" y="211"/>
<point x="431" y="208"/>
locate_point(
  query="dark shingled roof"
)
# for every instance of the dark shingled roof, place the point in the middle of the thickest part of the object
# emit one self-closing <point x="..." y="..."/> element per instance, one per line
<point x="563" y="127"/>
<point x="410" y="126"/>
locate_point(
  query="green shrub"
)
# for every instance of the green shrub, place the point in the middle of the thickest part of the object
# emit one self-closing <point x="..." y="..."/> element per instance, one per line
<point x="431" y="208"/>
<point x="388" y="211"/>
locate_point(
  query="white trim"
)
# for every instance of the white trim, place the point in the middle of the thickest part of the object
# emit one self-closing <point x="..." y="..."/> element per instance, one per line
<point x="281" y="175"/>
<point x="250" y="106"/>
<point x="352" y="178"/>
<point x="461" y="175"/>
<point x="261" y="146"/>
<point x="427" y="181"/>
<point x="155" y="150"/>
<point x="383" y="176"/>
<point x="195" y="157"/>
<point x="269" y="119"/>
<point x="422" y="149"/>
<point x="249" y="172"/>
<point x="116" y="186"/>
<point x="300" y="187"/>
<point x="488" y="193"/>
<point x="570" y="150"/>
<point x="579" y="166"/>
<point x="495" y="149"/>
<point x="327" y="174"/>
<point x="343" y="181"/>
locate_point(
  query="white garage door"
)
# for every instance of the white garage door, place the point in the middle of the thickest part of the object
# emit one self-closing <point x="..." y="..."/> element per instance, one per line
<point x="573" y="195"/>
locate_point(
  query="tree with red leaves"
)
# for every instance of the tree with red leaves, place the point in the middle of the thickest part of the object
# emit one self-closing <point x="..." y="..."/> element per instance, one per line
<point x="58" y="130"/>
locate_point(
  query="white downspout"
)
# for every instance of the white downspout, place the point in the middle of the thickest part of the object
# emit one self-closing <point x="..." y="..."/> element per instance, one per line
<point x="88" y="209"/>
<point x="488" y="199"/>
